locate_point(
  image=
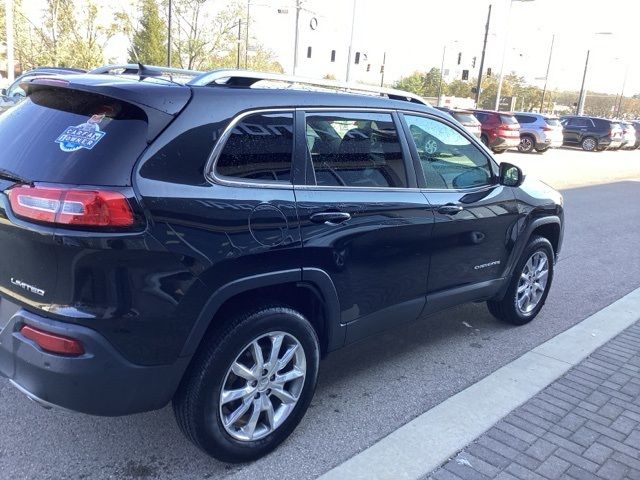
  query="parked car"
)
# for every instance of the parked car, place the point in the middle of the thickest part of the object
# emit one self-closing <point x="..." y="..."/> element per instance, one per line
<point x="466" y="118"/>
<point x="207" y="243"/>
<point x="636" y="126"/>
<point x="500" y="130"/>
<point x="591" y="133"/>
<point x="13" y="94"/>
<point x="628" y="135"/>
<point x="539" y="132"/>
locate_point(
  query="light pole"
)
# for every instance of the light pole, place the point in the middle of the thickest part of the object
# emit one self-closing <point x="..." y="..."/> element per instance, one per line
<point x="8" y="8"/>
<point x="504" y="53"/>
<point x="444" y="52"/>
<point x="484" y="49"/>
<point x="353" y="22"/>
<point x="583" y="92"/>
<point x="624" y="84"/>
<point x="546" y="78"/>
<point x="169" y="36"/>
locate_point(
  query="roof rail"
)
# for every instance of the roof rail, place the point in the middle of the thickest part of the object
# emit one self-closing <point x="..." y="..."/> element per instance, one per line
<point x="145" y="70"/>
<point x="246" y="78"/>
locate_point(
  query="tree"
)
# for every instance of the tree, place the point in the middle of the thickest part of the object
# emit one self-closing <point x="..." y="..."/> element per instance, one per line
<point x="149" y="42"/>
<point x="459" y="88"/>
<point x="423" y="84"/>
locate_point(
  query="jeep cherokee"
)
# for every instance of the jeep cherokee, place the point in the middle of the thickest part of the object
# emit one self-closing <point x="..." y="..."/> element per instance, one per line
<point x="206" y="242"/>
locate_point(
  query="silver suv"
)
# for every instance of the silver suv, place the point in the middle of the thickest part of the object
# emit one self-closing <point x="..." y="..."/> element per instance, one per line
<point x="538" y="132"/>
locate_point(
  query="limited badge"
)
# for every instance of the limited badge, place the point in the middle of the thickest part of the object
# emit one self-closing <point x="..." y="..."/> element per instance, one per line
<point x="86" y="135"/>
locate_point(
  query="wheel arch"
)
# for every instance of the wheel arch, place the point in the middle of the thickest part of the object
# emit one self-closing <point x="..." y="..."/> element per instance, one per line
<point x="308" y="290"/>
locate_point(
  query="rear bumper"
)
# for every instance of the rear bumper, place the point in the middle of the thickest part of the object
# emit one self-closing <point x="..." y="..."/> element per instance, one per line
<point x="504" y="143"/>
<point x="99" y="382"/>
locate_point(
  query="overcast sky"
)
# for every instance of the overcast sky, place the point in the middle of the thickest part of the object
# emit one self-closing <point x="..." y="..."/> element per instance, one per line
<point x="414" y="32"/>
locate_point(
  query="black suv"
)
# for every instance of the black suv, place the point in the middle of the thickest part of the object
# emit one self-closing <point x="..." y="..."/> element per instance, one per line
<point x="591" y="133"/>
<point x="208" y="242"/>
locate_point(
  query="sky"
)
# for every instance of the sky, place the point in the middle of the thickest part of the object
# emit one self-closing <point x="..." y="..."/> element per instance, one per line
<point x="413" y="34"/>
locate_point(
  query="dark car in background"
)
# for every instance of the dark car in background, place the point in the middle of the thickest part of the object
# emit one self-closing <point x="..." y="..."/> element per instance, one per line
<point x="466" y="118"/>
<point x="591" y="133"/>
<point x="14" y="93"/>
<point x="538" y="132"/>
<point x="500" y="130"/>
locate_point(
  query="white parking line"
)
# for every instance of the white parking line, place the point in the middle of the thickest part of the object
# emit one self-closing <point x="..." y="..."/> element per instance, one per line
<point x="423" y="444"/>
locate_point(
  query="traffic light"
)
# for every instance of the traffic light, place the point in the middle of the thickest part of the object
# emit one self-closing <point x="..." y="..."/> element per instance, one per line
<point x="473" y="62"/>
<point x="489" y="72"/>
<point x="459" y="57"/>
<point x="357" y="61"/>
<point x="368" y="67"/>
<point x="465" y="74"/>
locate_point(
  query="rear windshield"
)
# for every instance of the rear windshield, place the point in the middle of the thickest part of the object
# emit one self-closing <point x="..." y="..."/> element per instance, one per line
<point x="554" y="122"/>
<point x="66" y="136"/>
<point x="465" y="117"/>
<point x="508" y="119"/>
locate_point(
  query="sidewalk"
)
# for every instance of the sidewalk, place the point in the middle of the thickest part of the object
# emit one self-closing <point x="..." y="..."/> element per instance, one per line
<point x="585" y="425"/>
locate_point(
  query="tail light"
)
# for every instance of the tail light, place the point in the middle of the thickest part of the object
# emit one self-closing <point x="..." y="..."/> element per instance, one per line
<point x="66" y="206"/>
<point x="53" y="343"/>
<point x="547" y="128"/>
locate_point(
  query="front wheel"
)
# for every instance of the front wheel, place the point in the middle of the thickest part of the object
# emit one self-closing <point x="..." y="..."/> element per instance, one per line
<point x="529" y="285"/>
<point x="250" y="386"/>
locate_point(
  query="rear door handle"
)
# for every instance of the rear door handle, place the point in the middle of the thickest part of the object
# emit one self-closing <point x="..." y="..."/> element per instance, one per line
<point x="450" y="209"/>
<point x="330" y="218"/>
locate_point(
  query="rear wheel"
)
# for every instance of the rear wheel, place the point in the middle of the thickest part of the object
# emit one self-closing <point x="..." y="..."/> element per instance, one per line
<point x="589" y="144"/>
<point x="542" y="150"/>
<point x="248" y="389"/>
<point x="497" y="152"/>
<point x="484" y="140"/>
<point x="529" y="285"/>
<point x="527" y="144"/>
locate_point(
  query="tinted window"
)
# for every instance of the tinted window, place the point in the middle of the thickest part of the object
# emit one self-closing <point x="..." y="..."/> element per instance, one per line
<point x="579" y="122"/>
<point x="465" y="117"/>
<point x="260" y="147"/>
<point x="525" y="119"/>
<point x="508" y="119"/>
<point x="447" y="158"/>
<point x="355" y="150"/>
<point x="480" y="116"/>
<point x="68" y="136"/>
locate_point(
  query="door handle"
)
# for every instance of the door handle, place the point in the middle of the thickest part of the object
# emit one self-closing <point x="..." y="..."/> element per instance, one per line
<point x="450" y="209"/>
<point x="330" y="218"/>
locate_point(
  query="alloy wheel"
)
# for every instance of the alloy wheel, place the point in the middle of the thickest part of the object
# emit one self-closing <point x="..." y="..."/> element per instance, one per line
<point x="262" y="386"/>
<point x="533" y="282"/>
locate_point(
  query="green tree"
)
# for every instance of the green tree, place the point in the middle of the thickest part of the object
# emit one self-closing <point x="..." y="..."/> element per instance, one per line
<point x="423" y="84"/>
<point x="149" y="42"/>
<point x="459" y="88"/>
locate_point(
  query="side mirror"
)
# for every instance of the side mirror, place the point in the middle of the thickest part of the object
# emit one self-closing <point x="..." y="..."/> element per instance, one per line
<point x="3" y="91"/>
<point x="510" y="175"/>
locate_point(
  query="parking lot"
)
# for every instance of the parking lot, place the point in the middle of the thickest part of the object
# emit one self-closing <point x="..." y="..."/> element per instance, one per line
<point x="371" y="388"/>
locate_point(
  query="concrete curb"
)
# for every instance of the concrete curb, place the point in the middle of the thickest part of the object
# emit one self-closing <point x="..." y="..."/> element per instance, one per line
<point x="423" y="444"/>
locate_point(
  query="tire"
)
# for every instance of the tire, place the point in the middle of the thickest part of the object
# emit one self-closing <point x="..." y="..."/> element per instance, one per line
<point x="484" y="140"/>
<point x="498" y="152"/>
<point x="542" y="150"/>
<point x="510" y="308"/>
<point x="198" y="404"/>
<point x="589" y="144"/>
<point x="527" y="144"/>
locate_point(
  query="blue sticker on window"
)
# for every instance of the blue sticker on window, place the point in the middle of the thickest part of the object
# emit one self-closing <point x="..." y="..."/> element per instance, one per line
<point x="86" y="135"/>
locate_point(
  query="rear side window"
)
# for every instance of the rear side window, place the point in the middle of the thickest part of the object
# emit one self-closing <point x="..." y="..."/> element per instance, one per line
<point x="66" y="136"/>
<point x="259" y="148"/>
<point x="525" y="119"/>
<point x="480" y="116"/>
<point x="355" y="150"/>
<point x="553" y="122"/>
<point x="508" y="119"/>
<point x="582" y="122"/>
<point x="465" y="118"/>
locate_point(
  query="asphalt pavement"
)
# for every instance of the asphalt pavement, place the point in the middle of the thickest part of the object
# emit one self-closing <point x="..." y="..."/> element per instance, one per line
<point x="369" y="389"/>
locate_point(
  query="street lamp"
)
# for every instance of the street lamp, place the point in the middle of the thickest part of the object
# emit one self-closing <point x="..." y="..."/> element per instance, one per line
<point x="504" y="53"/>
<point x="546" y="78"/>
<point x="444" y="52"/>
<point x="583" y="93"/>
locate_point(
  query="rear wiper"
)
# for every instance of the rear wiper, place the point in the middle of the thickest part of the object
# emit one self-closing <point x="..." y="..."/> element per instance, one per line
<point x="7" y="175"/>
